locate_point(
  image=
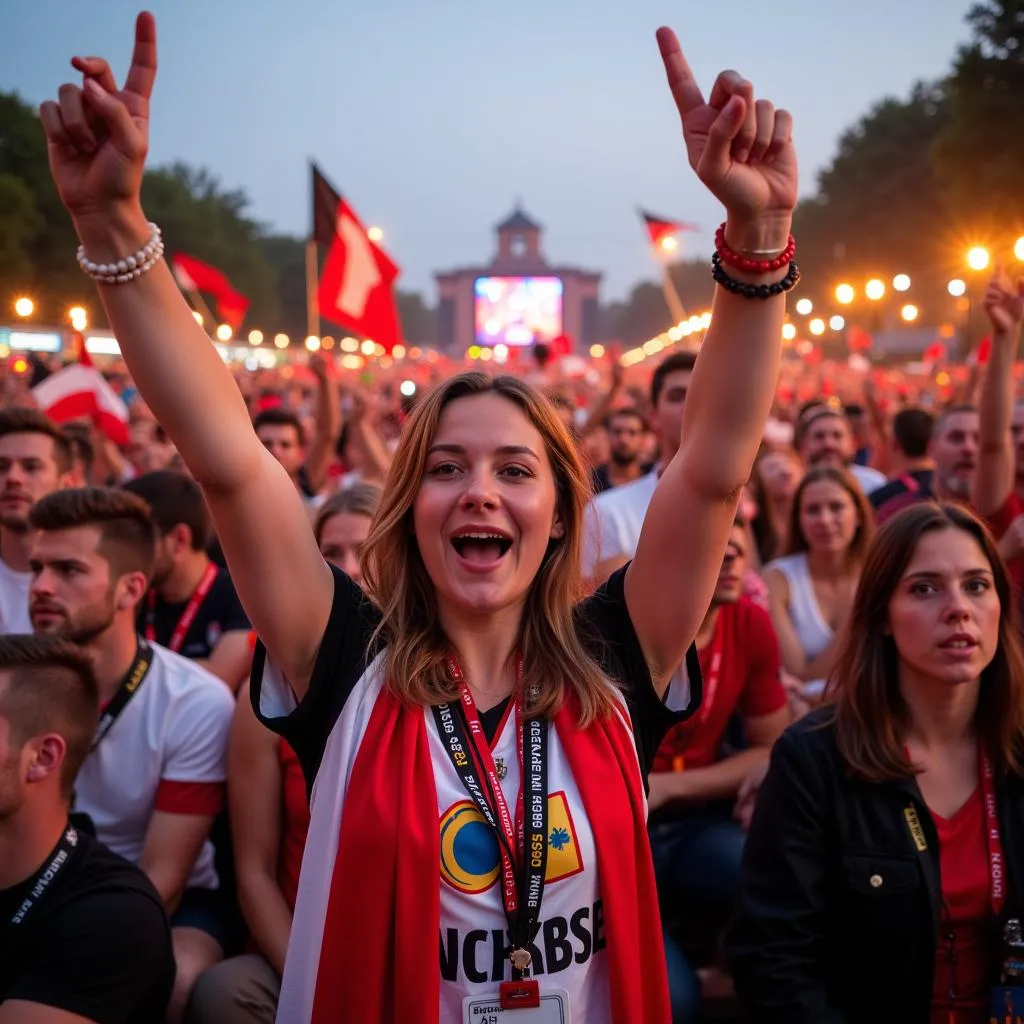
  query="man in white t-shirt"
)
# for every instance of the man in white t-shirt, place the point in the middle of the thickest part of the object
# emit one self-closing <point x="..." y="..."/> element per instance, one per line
<point x="616" y="516"/>
<point x="154" y="780"/>
<point x="35" y="459"/>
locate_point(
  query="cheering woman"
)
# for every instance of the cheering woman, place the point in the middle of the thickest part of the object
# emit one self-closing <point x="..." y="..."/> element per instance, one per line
<point x="474" y="739"/>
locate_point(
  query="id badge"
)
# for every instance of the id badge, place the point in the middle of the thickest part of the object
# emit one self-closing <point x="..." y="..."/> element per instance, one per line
<point x="553" y="1009"/>
<point x="1006" y="1005"/>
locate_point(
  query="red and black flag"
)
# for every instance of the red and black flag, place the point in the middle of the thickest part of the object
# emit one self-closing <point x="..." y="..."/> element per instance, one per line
<point x="660" y="228"/>
<point x="195" y="276"/>
<point x="356" y="284"/>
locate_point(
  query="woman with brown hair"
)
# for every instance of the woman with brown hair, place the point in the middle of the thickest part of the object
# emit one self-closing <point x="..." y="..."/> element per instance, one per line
<point x="886" y="852"/>
<point x="474" y="739"/>
<point x="810" y="589"/>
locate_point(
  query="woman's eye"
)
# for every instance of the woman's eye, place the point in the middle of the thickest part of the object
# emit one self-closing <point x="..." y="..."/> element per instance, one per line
<point x="516" y="471"/>
<point x="444" y="469"/>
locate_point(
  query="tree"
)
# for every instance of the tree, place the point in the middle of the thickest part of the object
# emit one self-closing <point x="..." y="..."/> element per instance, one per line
<point x="200" y="218"/>
<point x="20" y="222"/>
<point x="980" y="153"/>
<point x="419" y="321"/>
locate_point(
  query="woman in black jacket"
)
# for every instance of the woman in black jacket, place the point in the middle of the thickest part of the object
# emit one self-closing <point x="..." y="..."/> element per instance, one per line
<point x="876" y="882"/>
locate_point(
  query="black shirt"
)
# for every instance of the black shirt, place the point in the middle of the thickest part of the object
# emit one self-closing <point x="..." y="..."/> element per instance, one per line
<point x="346" y="653"/>
<point x="96" y="944"/>
<point x="917" y="480"/>
<point x="221" y="612"/>
<point x="600" y="480"/>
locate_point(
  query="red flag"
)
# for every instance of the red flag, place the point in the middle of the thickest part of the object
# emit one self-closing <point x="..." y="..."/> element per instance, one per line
<point x="193" y="275"/>
<point x="933" y="353"/>
<point x="80" y="391"/>
<point x="660" y="228"/>
<point x="356" y="285"/>
<point x="979" y="357"/>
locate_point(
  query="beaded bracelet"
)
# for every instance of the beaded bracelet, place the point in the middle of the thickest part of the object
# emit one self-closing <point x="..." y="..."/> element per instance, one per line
<point x="130" y="267"/>
<point x="736" y="259"/>
<point x="754" y="291"/>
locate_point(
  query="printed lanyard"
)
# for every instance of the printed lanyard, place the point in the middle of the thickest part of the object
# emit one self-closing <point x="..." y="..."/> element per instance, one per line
<point x="188" y="616"/>
<point x="46" y="877"/>
<point x="522" y="841"/>
<point x="132" y="681"/>
<point x="996" y="863"/>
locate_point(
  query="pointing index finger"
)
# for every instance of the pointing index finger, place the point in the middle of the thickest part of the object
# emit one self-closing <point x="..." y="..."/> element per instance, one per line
<point x="142" y="72"/>
<point x="681" y="81"/>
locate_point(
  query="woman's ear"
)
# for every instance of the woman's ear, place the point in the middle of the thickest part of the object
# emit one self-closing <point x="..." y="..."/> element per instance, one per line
<point x="557" y="528"/>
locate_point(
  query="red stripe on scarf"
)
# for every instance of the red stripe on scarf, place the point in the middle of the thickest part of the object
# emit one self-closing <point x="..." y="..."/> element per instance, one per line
<point x="379" y="952"/>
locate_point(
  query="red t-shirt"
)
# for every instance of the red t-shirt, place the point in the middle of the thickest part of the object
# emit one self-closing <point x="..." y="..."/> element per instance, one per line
<point x="967" y="912"/>
<point x="999" y="522"/>
<point x="748" y="682"/>
<point x="294" y="821"/>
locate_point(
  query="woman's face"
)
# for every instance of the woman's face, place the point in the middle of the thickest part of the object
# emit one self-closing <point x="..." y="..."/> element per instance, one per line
<point x="780" y="474"/>
<point x="341" y="541"/>
<point x="944" y="615"/>
<point x="828" y="517"/>
<point x="486" y="507"/>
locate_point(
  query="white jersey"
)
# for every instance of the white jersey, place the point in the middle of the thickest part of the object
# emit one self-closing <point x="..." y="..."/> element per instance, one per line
<point x="569" y="950"/>
<point x="166" y="751"/>
<point x="14" y="590"/>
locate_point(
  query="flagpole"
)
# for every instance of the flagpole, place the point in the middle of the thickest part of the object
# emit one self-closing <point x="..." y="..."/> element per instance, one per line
<point x="668" y="286"/>
<point x="312" y="277"/>
<point x="200" y="306"/>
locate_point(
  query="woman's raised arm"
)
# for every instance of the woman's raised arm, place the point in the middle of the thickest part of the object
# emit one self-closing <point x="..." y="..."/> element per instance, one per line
<point x="741" y="149"/>
<point x="97" y="137"/>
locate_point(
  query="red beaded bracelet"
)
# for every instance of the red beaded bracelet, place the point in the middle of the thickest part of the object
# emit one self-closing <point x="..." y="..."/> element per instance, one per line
<point x="741" y="262"/>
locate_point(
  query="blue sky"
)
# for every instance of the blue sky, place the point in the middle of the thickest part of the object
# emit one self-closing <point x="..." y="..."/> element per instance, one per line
<point x="435" y="116"/>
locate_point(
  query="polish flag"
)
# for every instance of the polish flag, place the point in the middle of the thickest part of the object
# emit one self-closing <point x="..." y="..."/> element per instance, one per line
<point x="80" y="391"/>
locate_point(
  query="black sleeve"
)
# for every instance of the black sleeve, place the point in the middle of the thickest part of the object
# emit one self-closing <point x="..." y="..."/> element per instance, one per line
<point x="343" y="658"/>
<point x="606" y="625"/>
<point x="109" y="961"/>
<point x="778" y="937"/>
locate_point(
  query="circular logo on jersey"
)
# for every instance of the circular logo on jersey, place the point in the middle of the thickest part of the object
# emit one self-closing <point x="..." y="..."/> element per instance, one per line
<point x="469" y="849"/>
<point x="213" y="634"/>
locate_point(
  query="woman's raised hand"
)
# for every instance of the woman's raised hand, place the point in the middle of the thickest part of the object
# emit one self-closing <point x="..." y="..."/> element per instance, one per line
<point x="97" y="135"/>
<point x="1004" y="304"/>
<point x="741" y="148"/>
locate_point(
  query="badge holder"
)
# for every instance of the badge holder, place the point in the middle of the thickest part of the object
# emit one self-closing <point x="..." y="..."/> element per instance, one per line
<point x="524" y="993"/>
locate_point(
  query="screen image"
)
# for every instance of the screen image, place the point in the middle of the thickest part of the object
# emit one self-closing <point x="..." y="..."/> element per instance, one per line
<point x="517" y="310"/>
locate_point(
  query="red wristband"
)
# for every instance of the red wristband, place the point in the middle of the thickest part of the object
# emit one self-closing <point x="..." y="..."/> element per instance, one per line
<point x="751" y="266"/>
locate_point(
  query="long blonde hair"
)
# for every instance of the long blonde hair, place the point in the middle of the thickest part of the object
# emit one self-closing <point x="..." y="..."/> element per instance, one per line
<point x="555" y="660"/>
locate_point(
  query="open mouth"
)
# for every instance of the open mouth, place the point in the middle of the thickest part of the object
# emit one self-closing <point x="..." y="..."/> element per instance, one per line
<point x="481" y="547"/>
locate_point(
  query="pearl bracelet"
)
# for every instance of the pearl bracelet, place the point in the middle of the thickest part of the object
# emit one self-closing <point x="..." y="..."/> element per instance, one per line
<point x="130" y="267"/>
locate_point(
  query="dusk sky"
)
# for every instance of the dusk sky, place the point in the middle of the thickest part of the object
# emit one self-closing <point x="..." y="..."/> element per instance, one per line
<point x="434" y="116"/>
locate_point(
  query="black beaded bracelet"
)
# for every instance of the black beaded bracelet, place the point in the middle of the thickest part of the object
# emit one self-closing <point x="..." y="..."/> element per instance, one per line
<point x="753" y="291"/>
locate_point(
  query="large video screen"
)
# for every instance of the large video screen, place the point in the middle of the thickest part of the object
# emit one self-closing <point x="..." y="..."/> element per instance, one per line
<point x="517" y="310"/>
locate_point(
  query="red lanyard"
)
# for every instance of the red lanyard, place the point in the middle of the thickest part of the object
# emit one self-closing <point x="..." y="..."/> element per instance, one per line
<point x="996" y="863"/>
<point x="188" y="616"/>
<point x="713" y="673"/>
<point x="510" y="842"/>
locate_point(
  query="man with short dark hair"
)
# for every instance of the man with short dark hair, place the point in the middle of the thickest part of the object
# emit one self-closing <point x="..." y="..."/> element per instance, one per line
<point x="83" y="933"/>
<point x="191" y="607"/>
<point x="626" y="429"/>
<point x="954" y="449"/>
<point x="154" y="780"/>
<point x="35" y="459"/>
<point x="614" y="518"/>
<point x="911" y="465"/>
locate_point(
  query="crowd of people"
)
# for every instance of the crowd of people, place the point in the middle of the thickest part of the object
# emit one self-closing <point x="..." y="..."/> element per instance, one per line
<point x="706" y="690"/>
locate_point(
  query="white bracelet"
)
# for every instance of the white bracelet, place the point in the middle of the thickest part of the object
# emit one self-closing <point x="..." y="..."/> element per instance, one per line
<point x="130" y="267"/>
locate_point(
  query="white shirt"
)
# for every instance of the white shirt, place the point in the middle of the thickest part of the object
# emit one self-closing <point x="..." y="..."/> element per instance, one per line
<point x="14" y="589"/>
<point x="613" y="522"/>
<point x="167" y="750"/>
